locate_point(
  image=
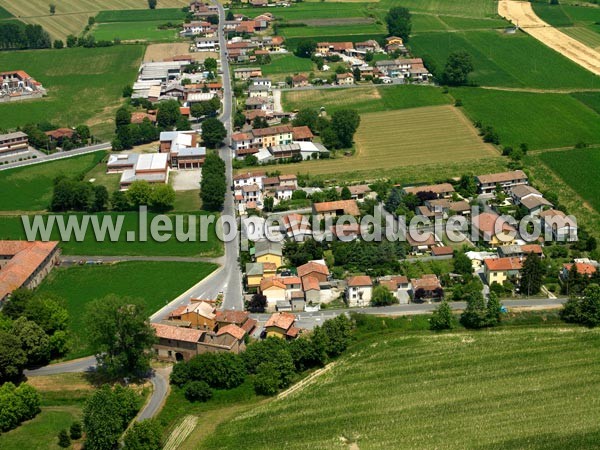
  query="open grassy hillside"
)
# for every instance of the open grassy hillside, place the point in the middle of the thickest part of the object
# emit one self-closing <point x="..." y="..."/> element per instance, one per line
<point x="500" y="389"/>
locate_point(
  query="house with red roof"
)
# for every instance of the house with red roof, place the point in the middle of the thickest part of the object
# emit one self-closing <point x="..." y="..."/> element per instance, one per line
<point x="359" y="290"/>
<point x="281" y="325"/>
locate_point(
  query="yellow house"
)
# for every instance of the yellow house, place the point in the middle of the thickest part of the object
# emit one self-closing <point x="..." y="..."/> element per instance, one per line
<point x="494" y="230"/>
<point x="274" y="290"/>
<point x="199" y="314"/>
<point x="268" y="252"/>
<point x="254" y="274"/>
<point x="499" y="270"/>
<point x="281" y="325"/>
<point x="394" y="40"/>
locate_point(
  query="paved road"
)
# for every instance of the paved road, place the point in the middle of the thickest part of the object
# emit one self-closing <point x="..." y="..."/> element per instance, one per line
<point x="59" y="155"/>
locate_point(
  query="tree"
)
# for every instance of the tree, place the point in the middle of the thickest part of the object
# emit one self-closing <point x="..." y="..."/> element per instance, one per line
<point x="494" y="309"/>
<point x="210" y="64"/>
<point x="123" y="117"/>
<point x="330" y="138"/>
<point x="305" y="48"/>
<point x="71" y="41"/>
<point x="344" y="123"/>
<point x="532" y="275"/>
<point x="34" y="342"/>
<point x="213" y="184"/>
<point x="52" y="8"/>
<point x="267" y="379"/>
<point x="457" y="69"/>
<point x="306" y="117"/>
<point x="356" y="73"/>
<point x="119" y="201"/>
<point x="197" y="391"/>
<point x="260" y="122"/>
<point x="257" y="304"/>
<point x="462" y="264"/>
<point x="162" y="197"/>
<point x="139" y="193"/>
<point x="127" y="91"/>
<point x="382" y="296"/>
<point x="168" y="114"/>
<point x="76" y="431"/>
<point x="144" y="435"/>
<point x="106" y="415"/>
<point x="346" y="194"/>
<point x="12" y="357"/>
<point x="584" y="309"/>
<point x="219" y="370"/>
<point x="229" y="15"/>
<point x="64" y="440"/>
<point x="152" y="4"/>
<point x="120" y="336"/>
<point x="398" y="22"/>
<point x="213" y="132"/>
<point x="17" y="404"/>
<point x="475" y="314"/>
<point x="442" y="318"/>
<point x="58" y="44"/>
<point x="268" y="204"/>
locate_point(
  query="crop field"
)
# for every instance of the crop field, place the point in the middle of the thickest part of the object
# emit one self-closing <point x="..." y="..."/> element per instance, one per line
<point x="588" y="35"/>
<point x="30" y="188"/>
<point x="552" y="14"/>
<point x="543" y="121"/>
<point x="11" y="227"/>
<point x="72" y="15"/>
<point x="498" y="389"/>
<point x="134" y="31"/>
<point x="287" y="64"/>
<point x="515" y="60"/>
<point x="405" y="138"/>
<point x="463" y="8"/>
<point x="79" y="285"/>
<point x="84" y="85"/>
<point x="579" y="168"/>
<point x="140" y="15"/>
<point x="590" y="99"/>
<point x="300" y="11"/>
<point x="365" y="99"/>
<point x="337" y="30"/>
<point x="4" y="14"/>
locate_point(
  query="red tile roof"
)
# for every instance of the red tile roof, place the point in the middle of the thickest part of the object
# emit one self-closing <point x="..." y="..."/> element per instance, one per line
<point x="503" y="264"/>
<point x="302" y="132"/>
<point x="349" y="207"/>
<point x="281" y="320"/>
<point x="232" y="316"/>
<point x="360" y="280"/>
<point x="442" y="251"/>
<point x="582" y="268"/>
<point x="232" y="330"/>
<point x="310" y="284"/>
<point x="267" y="283"/>
<point x="486" y="222"/>
<point x="310" y="267"/>
<point x="177" y="333"/>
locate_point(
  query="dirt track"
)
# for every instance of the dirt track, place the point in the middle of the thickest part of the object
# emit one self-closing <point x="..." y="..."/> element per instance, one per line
<point x="521" y="14"/>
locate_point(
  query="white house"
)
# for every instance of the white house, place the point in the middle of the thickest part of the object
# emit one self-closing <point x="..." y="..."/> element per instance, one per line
<point x="359" y="290"/>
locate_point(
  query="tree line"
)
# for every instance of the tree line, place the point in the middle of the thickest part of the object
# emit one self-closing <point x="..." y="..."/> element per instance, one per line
<point x="16" y="35"/>
<point x="335" y="133"/>
<point x="214" y="183"/>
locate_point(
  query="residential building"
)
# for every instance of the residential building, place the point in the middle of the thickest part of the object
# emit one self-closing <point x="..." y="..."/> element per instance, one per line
<point x="358" y="192"/>
<point x="240" y="319"/>
<point x="266" y="251"/>
<point x="561" y="227"/>
<point x="17" y="85"/>
<point x="426" y="287"/>
<point x="327" y="48"/>
<point x="207" y="44"/>
<point x="244" y="73"/>
<point x="274" y="290"/>
<point x="520" y="251"/>
<point x="248" y="179"/>
<point x="421" y="242"/>
<point x="344" y="79"/>
<point x="302" y="133"/>
<point x="312" y="290"/>
<point x="443" y="190"/>
<point x="299" y="80"/>
<point x="487" y="184"/>
<point x="530" y="198"/>
<point x="201" y="315"/>
<point x="261" y="138"/>
<point x="254" y="274"/>
<point x="281" y="325"/>
<point x="315" y="269"/>
<point x="359" y="290"/>
<point x="493" y="229"/>
<point x="399" y="285"/>
<point x="586" y="269"/>
<point x="13" y="143"/>
<point x="259" y="91"/>
<point x="25" y="264"/>
<point x="326" y="210"/>
<point x="499" y="270"/>
<point x="197" y="27"/>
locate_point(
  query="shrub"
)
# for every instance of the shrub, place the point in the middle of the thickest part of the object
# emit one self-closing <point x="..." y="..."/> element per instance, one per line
<point x="267" y="381"/>
<point x="63" y="439"/>
<point x="76" y="430"/>
<point x="197" y="391"/>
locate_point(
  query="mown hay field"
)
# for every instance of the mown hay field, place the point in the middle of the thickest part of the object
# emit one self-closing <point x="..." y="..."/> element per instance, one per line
<point x="80" y="285"/>
<point x="463" y="8"/>
<point x="72" y="16"/>
<point x="499" y="389"/>
<point x="407" y="137"/>
<point x="140" y="15"/>
<point x="84" y="85"/>
<point x="365" y="99"/>
<point x="542" y="120"/>
<point x="579" y="168"/>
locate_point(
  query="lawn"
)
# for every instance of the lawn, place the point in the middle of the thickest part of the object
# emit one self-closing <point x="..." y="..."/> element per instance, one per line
<point x="30" y="188"/>
<point x="317" y="33"/>
<point x="288" y="63"/>
<point x="79" y="285"/>
<point x="11" y="227"/>
<point x="140" y="15"/>
<point x="499" y="59"/>
<point x="134" y="31"/>
<point x="542" y="121"/>
<point x="409" y="137"/>
<point x="72" y="15"/>
<point x="579" y="169"/>
<point x="497" y="389"/>
<point x="365" y="99"/>
<point x="84" y="85"/>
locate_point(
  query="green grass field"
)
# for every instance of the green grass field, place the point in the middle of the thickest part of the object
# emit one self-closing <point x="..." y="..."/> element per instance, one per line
<point x="305" y="10"/>
<point x="505" y="60"/>
<point x="408" y="137"/>
<point x="590" y="99"/>
<point x="4" y="14"/>
<point x="72" y="16"/>
<point x="587" y="34"/>
<point x="463" y="8"/>
<point x="140" y="15"/>
<point x="84" y="85"/>
<point x="337" y="30"/>
<point x="134" y="31"/>
<point x="543" y="121"/>
<point x="11" y="227"/>
<point x="498" y="389"/>
<point x="30" y="188"/>
<point x="553" y="14"/>
<point x="288" y="63"/>
<point x="579" y="169"/>
<point x="365" y="99"/>
<point x="79" y="285"/>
